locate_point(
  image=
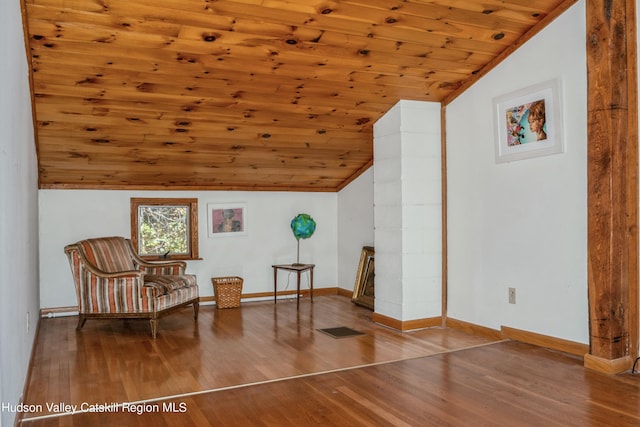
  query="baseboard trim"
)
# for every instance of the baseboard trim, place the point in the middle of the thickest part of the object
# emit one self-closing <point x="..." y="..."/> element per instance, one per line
<point x="606" y="366"/>
<point x="546" y="341"/>
<point x="73" y="310"/>
<point x="59" y="311"/>
<point x="265" y="295"/>
<point x="406" y="325"/>
<point x="344" y="292"/>
<point x="540" y="340"/>
<point x="473" y="329"/>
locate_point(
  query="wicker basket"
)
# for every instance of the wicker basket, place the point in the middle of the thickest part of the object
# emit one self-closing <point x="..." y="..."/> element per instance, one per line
<point x="227" y="291"/>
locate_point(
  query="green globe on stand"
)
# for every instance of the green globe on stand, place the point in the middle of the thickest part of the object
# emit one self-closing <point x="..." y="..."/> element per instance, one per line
<point x="303" y="227"/>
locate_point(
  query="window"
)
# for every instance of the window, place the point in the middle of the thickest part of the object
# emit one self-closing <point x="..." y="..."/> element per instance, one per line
<point x="165" y="228"/>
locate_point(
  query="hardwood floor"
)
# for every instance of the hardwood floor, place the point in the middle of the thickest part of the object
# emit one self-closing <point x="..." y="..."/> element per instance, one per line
<point x="267" y="364"/>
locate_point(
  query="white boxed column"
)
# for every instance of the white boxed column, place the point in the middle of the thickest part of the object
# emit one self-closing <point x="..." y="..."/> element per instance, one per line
<point x="408" y="212"/>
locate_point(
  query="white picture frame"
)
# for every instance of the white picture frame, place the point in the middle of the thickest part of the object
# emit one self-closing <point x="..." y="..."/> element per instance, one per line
<point x="528" y="122"/>
<point x="227" y="219"/>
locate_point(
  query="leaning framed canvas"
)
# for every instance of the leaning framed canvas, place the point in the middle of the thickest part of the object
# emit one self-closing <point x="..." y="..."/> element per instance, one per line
<point x="363" y="291"/>
<point x="528" y="122"/>
<point x="228" y="219"/>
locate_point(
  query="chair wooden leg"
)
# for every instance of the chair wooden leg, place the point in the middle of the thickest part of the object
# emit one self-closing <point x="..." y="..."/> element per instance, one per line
<point x="196" y="309"/>
<point x="154" y="327"/>
<point x="81" y="320"/>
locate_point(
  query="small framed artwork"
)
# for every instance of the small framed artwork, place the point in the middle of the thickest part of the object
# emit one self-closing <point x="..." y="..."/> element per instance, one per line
<point x="528" y="122"/>
<point x="364" y="289"/>
<point x="228" y="219"/>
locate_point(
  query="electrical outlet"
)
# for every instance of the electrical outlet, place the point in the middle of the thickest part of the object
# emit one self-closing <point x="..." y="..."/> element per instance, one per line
<point x="512" y="295"/>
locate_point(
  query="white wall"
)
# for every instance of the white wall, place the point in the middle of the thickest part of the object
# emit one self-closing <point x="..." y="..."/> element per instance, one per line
<point x="355" y="226"/>
<point x="18" y="212"/>
<point x="521" y="224"/>
<point x="67" y="216"/>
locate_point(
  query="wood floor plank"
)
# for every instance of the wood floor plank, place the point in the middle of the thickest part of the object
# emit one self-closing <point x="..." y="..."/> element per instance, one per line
<point x="267" y="365"/>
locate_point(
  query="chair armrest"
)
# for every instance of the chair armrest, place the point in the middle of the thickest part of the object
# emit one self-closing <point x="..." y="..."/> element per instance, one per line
<point x="157" y="268"/>
<point x="137" y="274"/>
<point x="162" y="268"/>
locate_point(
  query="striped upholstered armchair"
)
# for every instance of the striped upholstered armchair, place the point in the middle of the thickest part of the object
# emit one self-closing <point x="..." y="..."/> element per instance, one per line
<point x="112" y="281"/>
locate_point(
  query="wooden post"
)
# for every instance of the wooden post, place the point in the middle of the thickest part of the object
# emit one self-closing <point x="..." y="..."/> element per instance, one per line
<point x="612" y="120"/>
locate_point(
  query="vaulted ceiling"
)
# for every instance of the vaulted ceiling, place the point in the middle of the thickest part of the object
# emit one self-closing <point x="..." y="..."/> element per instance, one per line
<point x="246" y="94"/>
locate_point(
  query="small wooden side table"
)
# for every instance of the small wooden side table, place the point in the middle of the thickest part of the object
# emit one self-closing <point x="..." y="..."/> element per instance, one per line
<point x="299" y="269"/>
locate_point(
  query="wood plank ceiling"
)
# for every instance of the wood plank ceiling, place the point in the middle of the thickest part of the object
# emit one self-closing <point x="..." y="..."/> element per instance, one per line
<point x="246" y="94"/>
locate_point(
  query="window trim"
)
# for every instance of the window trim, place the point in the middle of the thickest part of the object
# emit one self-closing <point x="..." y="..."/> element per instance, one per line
<point x="192" y="203"/>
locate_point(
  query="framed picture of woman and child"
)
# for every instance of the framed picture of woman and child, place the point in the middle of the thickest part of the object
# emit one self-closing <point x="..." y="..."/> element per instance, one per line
<point x="528" y="122"/>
